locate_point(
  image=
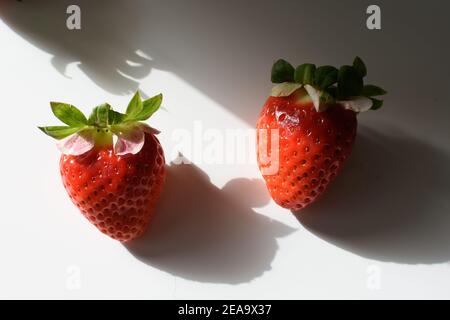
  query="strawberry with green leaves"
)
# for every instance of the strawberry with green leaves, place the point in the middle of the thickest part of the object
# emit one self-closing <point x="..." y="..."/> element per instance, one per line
<point x="313" y="110"/>
<point x="112" y="164"/>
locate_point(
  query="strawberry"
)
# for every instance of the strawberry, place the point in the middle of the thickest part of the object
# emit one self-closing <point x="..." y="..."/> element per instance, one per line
<point x="309" y="124"/>
<point x="112" y="164"/>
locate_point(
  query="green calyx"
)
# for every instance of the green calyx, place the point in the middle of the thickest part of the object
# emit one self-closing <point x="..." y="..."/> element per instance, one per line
<point x="103" y="121"/>
<point x="333" y="84"/>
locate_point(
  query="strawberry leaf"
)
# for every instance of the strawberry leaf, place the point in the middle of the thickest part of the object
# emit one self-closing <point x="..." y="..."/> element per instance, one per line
<point x="100" y="116"/>
<point x="284" y="89"/>
<point x="135" y="106"/>
<point x="149" y="107"/>
<point x="371" y="91"/>
<point x="68" y="114"/>
<point x="357" y="104"/>
<point x="77" y="144"/>
<point x="332" y="91"/>
<point x="376" y="104"/>
<point x="360" y="67"/>
<point x="129" y="140"/>
<point x="326" y="98"/>
<point x="304" y="74"/>
<point x="282" y="71"/>
<point x="59" y="132"/>
<point x="328" y="85"/>
<point x="350" y="82"/>
<point x="115" y="117"/>
<point x="325" y="76"/>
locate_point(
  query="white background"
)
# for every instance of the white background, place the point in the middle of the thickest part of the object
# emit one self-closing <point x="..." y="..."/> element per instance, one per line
<point x="381" y="231"/>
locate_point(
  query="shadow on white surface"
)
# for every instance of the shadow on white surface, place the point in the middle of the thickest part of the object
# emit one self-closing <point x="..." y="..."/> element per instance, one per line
<point x="391" y="202"/>
<point x="104" y="49"/>
<point x="226" y="48"/>
<point x="398" y="185"/>
<point x="207" y="234"/>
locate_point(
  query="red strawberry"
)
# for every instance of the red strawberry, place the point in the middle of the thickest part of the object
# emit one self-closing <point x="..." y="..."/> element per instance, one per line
<point x="312" y="112"/>
<point x="112" y="165"/>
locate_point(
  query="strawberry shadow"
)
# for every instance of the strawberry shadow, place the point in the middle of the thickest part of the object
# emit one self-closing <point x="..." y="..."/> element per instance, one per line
<point x="203" y="233"/>
<point x="391" y="202"/>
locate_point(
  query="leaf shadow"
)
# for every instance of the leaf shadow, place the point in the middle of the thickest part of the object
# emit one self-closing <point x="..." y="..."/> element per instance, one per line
<point x="105" y="48"/>
<point x="226" y="48"/>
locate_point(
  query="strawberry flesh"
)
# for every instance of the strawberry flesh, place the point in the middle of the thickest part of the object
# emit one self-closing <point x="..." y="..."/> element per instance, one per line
<point x="116" y="193"/>
<point x="313" y="147"/>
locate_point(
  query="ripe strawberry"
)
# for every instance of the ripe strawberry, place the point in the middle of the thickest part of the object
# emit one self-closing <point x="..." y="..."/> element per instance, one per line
<point x="112" y="164"/>
<point x="313" y="111"/>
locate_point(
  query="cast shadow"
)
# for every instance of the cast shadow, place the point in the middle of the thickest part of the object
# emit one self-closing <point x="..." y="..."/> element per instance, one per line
<point x="226" y="48"/>
<point x="391" y="202"/>
<point x="105" y="49"/>
<point x="203" y="233"/>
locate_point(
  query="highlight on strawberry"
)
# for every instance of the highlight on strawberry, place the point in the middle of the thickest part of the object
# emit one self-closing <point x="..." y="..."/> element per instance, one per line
<point x="112" y="164"/>
<point x="313" y="109"/>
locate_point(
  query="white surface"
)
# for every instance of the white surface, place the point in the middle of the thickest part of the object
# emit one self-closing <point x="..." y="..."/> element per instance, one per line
<point x="212" y="63"/>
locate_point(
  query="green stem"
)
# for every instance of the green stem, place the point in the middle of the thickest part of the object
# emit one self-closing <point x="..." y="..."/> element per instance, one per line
<point x="103" y="137"/>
